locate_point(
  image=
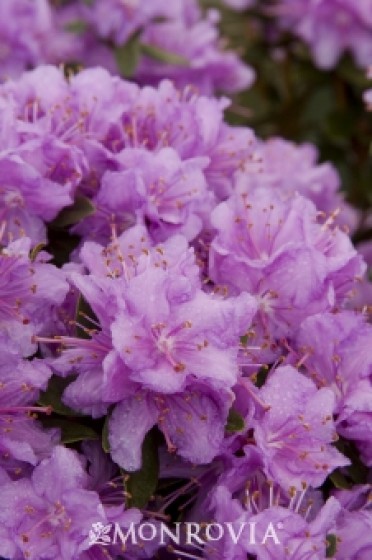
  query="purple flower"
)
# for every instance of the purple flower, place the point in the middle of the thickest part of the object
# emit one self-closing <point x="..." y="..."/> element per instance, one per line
<point x="29" y="293"/>
<point x="41" y="168"/>
<point x="330" y="27"/>
<point x="100" y="365"/>
<point x="292" y="168"/>
<point x="196" y="55"/>
<point x="354" y="524"/>
<point x="29" y="36"/>
<point x="161" y="346"/>
<point x="277" y="250"/>
<point x="367" y="97"/>
<point x="92" y="133"/>
<point x="192" y="421"/>
<point x="197" y="41"/>
<point x="49" y="514"/>
<point x="159" y="189"/>
<point x="295" y="434"/>
<point x="362" y="299"/>
<point x="176" y="335"/>
<point x="335" y="352"/>
<point x="299" y="540"/>
<point x="31" y="197"/>
<point x="268" y="531"/>
<point x="23" y="442"/>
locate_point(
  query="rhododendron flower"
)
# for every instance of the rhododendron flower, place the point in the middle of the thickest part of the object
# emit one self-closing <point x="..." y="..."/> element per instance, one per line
<point x="296" y="433"/>
<point x="336" y="353"/>
<point x="276" y="249"/>
<point x="330" y="27"/>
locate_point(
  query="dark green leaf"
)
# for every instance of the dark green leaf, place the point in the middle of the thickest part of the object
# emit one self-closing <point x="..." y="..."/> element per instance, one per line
<point x="358" y="471"/>
<point x="339" y="481"/>
<point x="53" y="395"/>
<point x="71" y="431"/>
<point x="262" y="376"/>
<point x="157" y="53"/>
<point x="73" y="214"/>
<point x="141" y="485"/>
<point x="235" y="422"/>
<point x="331" y="546"/>
<point x="128" y="55"/>
<point x="105" y="432"/>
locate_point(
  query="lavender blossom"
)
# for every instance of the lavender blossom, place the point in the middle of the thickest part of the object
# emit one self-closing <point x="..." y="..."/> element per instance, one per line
<point x="296" y="432"/>
<point x="49" y="514"/>
<point x="277" y="250"/>
<point x="291" y="168"/>
<point x="335" y="353"/>
<point x="330" y="28"/>
<point x="158" y="354"/>
<point x="192" y="41"/>
<point x="29" y="36"/>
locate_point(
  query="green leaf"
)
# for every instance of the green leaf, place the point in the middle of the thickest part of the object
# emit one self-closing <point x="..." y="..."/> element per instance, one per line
<point x="128" y="55"/>
<point x="331" y="546"/>
<point x="73" y="214"/>
<point x="157" y="53"/>
<point x="235" y="422"/>
<point x="105" y="432"/>
<point x="53" y="395"/>
<point x="261" y="376"/>
<point x="339" y="481"/>
<point x="71" y="431"/>
<point x="77" y="26"/>
<point x="141" y="485"/>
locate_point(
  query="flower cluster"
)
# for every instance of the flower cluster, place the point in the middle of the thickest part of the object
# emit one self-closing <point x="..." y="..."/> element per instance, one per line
<point x="29" y="36"/>
<point x="197" y="353"/>
<point x="89" y="135"/>
<point x="330" y="28"/>
<point x="176" y="40"/>
<point x="146" y="41"/>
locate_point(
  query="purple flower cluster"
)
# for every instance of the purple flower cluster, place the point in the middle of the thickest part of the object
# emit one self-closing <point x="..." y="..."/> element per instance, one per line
<point x="177" y="29"/>
<point x="207" y="308"/>
<point x="29" y="36"/>
<point x="330" y="28"/>
<point x="89" y="135"/>
<point x="147" y="40"/>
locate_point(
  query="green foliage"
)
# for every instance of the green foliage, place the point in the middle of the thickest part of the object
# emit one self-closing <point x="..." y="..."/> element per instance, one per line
<point x="52" y="396"/>
<point x="81" y="208"/>
<point x="71" y="431"/>
<point x="105" y="435"/>
<point x="331" y="546"/>
<point x="141" y="485"/>
<point x="128" y="56"/>
<point x="162" y="55"/>
<point x="235" y="422"/>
